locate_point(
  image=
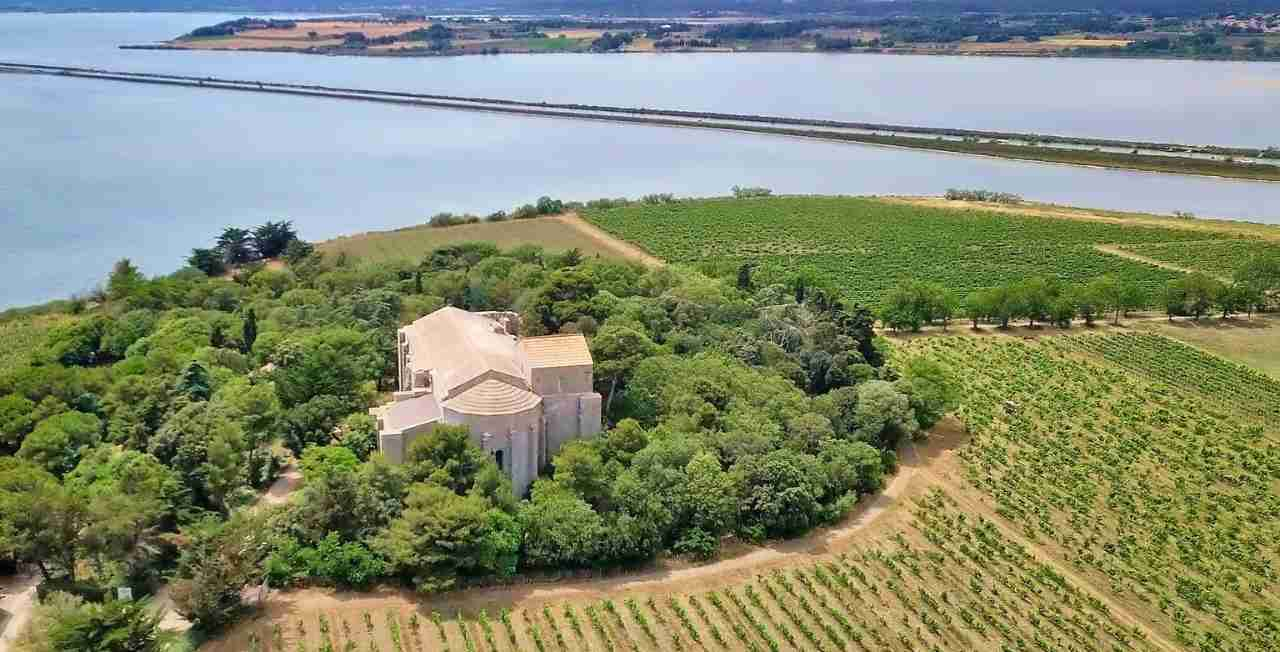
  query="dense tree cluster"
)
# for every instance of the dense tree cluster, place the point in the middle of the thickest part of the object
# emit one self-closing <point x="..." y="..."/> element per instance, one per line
<point x="1254" y="286"/>
<point x="138" y="436"/>
<point x="236" y="247"/>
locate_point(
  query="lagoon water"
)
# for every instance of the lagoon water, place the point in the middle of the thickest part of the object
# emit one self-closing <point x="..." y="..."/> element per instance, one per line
<point x="93" y="171"/>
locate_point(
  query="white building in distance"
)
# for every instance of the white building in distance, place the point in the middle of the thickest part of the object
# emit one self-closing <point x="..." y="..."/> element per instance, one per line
<point x="521" y="397"/>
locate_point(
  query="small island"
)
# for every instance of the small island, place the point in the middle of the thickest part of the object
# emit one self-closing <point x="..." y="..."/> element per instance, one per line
<point x="1228" y="37"/>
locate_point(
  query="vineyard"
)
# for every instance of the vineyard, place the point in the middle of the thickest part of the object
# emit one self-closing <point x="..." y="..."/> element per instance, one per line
<point x="1165" y="360"/>
<point x="863" y="245"/>
<point x="1217" y="257"/>
<point x="952" y="582"/>
<point x="1165" y="499"/>
<point x="1118" y="492"/>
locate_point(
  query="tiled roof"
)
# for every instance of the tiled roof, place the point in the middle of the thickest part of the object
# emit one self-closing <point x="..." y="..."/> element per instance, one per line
<point x="568" y="350"/>
<point x="459" y="346"/>
<point x="492" y="397"/>
<point x="411" y="412"/>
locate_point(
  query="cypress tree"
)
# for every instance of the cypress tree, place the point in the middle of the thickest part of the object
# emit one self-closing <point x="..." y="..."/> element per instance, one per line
<point x="250" y="333"/>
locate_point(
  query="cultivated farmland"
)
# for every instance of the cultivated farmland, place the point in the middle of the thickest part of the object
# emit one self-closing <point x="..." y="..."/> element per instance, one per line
<point x="1110" y="497"/>
<point x="865" y="245"/>
<point x="1217" y="257"/>
<point x="1164" y="499"/>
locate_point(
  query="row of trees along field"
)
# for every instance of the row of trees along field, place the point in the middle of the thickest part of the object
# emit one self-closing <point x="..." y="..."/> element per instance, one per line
<point x="136" y="436"/>
<point x="913" y="304"/>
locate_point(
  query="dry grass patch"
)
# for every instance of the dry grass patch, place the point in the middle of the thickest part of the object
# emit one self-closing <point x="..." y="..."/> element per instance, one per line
<point x="1254" y="342"/>
<point x="416" y="241"/>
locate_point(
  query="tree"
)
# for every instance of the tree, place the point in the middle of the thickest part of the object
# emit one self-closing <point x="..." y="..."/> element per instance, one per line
<point x="271" y="238"/>
<point x="779" y="493"/>
<point x="236" y="246"/>
<point x="710" y="499"/>
<point x="1002" y="304"/>
<point x="851" y="467"/>
<point x="63" y="622"/>
<point x="355" y="503"/>
<point x="979" y="305"/>
<point x="206" y="447"/>
<point x="1063" y="308"/>
<point x="1261" y="274"/>
<point x="1235" y="297"/>
<point x="193" y="383"/>
<point x="616" y="350"/>
<point x="218" y="559"/>
<point x="549" y="206"/>
<point x="15" y="421"/>
<point x="883" y="415"/>
<point x="1201" y="291"/>
<point x="442" y="536"/>
<point x="318" y="461"/>
<point x="131" y="500"/>
<point x="209" y="261"/>
<point x="57" y="443"/>
<point x="580" y="469"/>
<point x="1174" y="297"/>
<point x="313" y="423"/>
<point x="298" y="251"/>
<point x="565" y="297"/>
<point x="930" y="388"/>
<point x="1111" y="294"/>
<point x="912" y="304"/>
<point x="446" y="456"/>
<point x="808" y="432"/>
<point x="1087" y="303"/>
<point x="360" y="435"/>
<point x="1034" y="297"/>
<point x="744" y="277"/>
<point x="40" y="521"/>
<point x="123" y="331"/>
<point x="560" y="529"/>
<point x="249" y="332"/>
<point x="124" y="280"/>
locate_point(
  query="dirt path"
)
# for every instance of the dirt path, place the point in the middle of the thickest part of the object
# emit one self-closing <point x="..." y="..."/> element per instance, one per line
<point x="607" y="241"/>
<point x="878" y="513"/>
<point x="1138" y="258"/>
<point x="285" y="485"/>
<point x="18" y="598"/>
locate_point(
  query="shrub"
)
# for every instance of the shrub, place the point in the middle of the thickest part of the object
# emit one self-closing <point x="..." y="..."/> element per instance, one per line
<point x="957" y="194"/>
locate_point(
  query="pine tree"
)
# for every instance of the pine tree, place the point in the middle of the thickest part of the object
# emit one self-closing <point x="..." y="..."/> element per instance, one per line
<point x="194" y="382"/>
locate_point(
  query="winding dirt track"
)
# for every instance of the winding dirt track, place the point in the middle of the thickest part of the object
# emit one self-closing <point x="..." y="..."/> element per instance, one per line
<point x="919" y="466"/>
<point x="619" y="247"/>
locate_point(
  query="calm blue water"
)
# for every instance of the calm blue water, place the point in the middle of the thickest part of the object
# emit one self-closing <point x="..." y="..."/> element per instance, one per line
<point x="94" y="171"/>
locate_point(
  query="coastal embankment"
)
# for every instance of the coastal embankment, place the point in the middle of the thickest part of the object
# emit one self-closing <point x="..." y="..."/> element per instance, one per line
<point x="1207" y="160"/>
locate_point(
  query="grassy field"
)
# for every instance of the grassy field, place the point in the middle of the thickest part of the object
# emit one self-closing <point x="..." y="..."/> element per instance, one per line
<point x="566" y="44"/>
<point x="1219" y="258"/>
<point x="415" y="242"/>
<point x="866" y="245"/>
<point x="1110" y="496"/>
